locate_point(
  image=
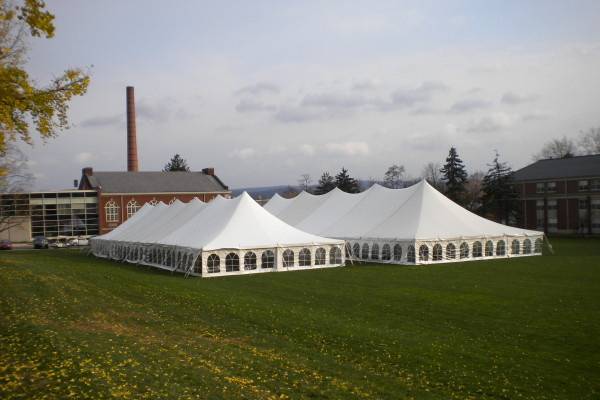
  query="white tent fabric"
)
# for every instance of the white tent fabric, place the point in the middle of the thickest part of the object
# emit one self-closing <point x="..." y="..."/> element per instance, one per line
<point x="417" y="224"/>
<point x="223" y="237"/>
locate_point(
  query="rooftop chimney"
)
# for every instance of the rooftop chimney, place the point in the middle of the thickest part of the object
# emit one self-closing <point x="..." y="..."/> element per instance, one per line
<point x="132" y="159"/>
<point x="209" y="171"/>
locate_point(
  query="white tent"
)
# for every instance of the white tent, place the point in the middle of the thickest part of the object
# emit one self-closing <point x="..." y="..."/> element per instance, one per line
<point x="223" y="237"/>
<point x="417" y="224"/>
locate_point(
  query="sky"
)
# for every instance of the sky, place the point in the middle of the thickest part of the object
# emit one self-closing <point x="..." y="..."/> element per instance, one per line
<point x="265" y="91"/>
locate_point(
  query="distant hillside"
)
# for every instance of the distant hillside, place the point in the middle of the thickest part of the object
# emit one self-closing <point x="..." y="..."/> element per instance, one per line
<point x="264" y="192"/>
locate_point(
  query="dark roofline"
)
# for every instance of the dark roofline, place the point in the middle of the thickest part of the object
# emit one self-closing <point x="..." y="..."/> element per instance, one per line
<point x="559" y="168"/>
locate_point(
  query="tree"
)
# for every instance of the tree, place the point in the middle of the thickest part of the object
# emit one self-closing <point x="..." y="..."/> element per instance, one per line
<point x="557" y="148"/>
<point x="454" y="176"/>
<point x="289" y="193"/>
<point x="24" y="106"/>
<point x="326" y="184"/>
<point x="473" y="191"/>
<point x="16" y="178"/>
<point x="431" y="173"/>
<point x="393" y="176"/>
<point x="499" y="199"/>
<point x="177" y="163"/>
<point x="304" y="182"/>
<point x="346" y="183"/>
<point x="589" y="142"/>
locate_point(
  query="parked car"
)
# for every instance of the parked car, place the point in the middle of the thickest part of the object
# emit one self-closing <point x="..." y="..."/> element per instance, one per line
<point x="58" y="243"/>
<point x="5" y="245"/>
<point x="40" y="242"/>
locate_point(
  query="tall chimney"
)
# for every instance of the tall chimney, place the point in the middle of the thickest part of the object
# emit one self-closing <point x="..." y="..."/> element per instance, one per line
<point x="132" y="158"/>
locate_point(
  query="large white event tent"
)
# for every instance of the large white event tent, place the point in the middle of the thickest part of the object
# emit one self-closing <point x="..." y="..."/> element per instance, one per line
<point x="417" y="224"/>
<point x="222" y="237"/>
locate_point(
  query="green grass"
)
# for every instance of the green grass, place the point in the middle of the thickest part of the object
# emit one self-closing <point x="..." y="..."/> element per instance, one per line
<point x="75" y="326"/>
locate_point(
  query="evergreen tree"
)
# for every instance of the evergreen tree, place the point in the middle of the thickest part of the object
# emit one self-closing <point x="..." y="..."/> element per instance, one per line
<point x="346" y="183"/>
<point x="177" y="163"/>
<point x="326" y="184"/>
<point x="499" y="200"/>
<point x="454" y="176"/>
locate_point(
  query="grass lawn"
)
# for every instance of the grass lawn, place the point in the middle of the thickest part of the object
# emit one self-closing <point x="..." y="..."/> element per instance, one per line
<point x="75" y="326"/>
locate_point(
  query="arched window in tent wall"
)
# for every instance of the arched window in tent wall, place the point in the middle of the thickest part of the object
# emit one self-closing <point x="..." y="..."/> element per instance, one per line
<point x="500" y="248"/>
<point x="538" y="245"/>
<point x="320" y="256"/>
<point x="464" y="250"/>
<point x="267" y="259"/>
<point x="249" y="261"/>
<point x="213" y="264"/>
<point x="437" y="252"/>
<point x="335" y="255"/>
<point x="410" y="254"/>
<point x="397" y="252"/>
<point x="527" y="246"/>
<point x="489" y="248"/>
<point x="288" y="258"/>
<point x="515" y="247"/>
<point x="356" y="250"/>
<point x="423" y="253"/>
<point x="477" y="249"/>
<point x="111" y="210"/>
<point x="132" y="208"/>
<point x="365" y="251"/>
<point x="232" y="262"/>
<point x="386" y="253"/>
<point x="375" y="251"/>
<point x="450" y="251"/>
<point x="304" y="258"/>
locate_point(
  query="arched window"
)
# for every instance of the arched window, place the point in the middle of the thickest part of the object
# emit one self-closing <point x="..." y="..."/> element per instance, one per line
<point x="213" y="264"/>
<point x="423" y="253"/>
<point x="365" y="251"/>
<point x="515" y="247"/>
<point x="288" y="258"/>
<point x="304" y="258"/>
<point x="450" y="251"/>
<point x="232" y="262"/>
<point x="500" y="248"/>
<point x="375" y="251"/>
<point x="489" y="248"/>
<point x="153" y="202"/>
<point x="464" y="250"/>
<point x="112" y="211"/>
<point x="538" y="245"/>
<point x="267" y="259"/>
<point x="410" y="254"/>
<point x="198" y="264"/>
<point x="397" y="252"/>
<point x="437" y="252"/>
<point x="172" y="200"/>
<point x="386" y="253"/>
<point x="320" y="256"/>
<point x="249" y="261"/>
<point x="527" y="246"/>
<point x="356" y="250"/>
<point x="477" y="249"/>
<point x="335" y="255"/>
<point x="347" y="249"/>
<point x="132" y="208"/>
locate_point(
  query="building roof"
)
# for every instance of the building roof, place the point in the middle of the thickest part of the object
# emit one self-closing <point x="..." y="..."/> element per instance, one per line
<point x="557" y="168"/>
<point x="155" y="182"/>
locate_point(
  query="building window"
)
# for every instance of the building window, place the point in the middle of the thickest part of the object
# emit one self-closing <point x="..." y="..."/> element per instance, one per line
<point x="249" y="261"/>
<point x="450" y="251"/>
<point x="584" y="186"/>
<point x="267" y="259"/>
<point x="539" y="187"/>
<point x="539" y="214"/>
<point x="112" y="211"/>
<point x="551" y="187"/>
<point x="172" y="200"/>
<point x="132" y="208"/>
<point x="153" y="202"/>
<point x="375" y="252"/>
<point x="335" y="256"/>
<point x="232" y="262"/>
<point x="304" y="258"/>
<point x="595" y="205"/>
<point x="595" y="187"/>
<point x="386" y="253"/>
<point x="397" y="252"/>
<point x="583" y="214"/>
<point x="437" y="252"/>
<point x="213" y="263"/>
<point x="423" y="253"/>
<point x="552" y="214"/>
<point x="288" y="258"/>
<point x="320" y="256"/>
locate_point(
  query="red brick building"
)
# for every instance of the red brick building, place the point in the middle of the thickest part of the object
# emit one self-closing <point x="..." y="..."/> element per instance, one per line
<point x="561" y="196"/>
<point x="121" y="194"/>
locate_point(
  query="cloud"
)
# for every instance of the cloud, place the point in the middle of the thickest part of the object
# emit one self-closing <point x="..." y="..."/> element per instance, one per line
<point x="258" y="89"/>
<point x="417" y="96"/>
<point x="307" y="150"/>
<point x="250" y="105"/>
<point x="84" y="157"/>
<point x="512" y="98"/>
<point x="347" y="148"/>
<point x="491" y="123"/>
<point x="366" y="85"/>
<point x="243" y="154"/>
<point x="109" y="120"/>
<point x="290" y="114"/>
<point x="535" y="116"/>
<point x="469" y="105"/>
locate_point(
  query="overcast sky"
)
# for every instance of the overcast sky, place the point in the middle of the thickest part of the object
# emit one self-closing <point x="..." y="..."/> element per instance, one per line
<point x="266" y="91"/>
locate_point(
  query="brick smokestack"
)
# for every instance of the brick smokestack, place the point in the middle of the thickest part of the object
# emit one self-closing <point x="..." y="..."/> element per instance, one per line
<point x="132" y="158"/>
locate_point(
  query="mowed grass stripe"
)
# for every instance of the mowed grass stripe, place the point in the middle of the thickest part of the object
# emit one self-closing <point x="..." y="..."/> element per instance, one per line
<point x="73" y="325"/>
